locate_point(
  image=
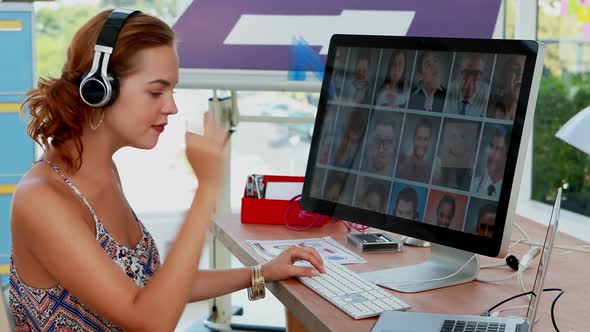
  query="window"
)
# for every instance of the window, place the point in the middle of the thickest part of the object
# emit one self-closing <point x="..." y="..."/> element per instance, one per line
<point x="271" y="148"/>
<point x="564" y="91"/>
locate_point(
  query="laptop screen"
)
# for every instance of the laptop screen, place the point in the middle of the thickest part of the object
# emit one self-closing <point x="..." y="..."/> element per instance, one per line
<point x="543" y="262"/>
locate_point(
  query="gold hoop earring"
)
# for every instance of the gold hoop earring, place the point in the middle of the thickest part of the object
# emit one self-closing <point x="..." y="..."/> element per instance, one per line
<point x="93" y="126"/>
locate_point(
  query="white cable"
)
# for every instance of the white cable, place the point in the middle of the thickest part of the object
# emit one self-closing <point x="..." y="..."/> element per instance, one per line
<point x="499" y="311"/>
<point x="534" y="250"/>
<point x="528" y="257"/>
<point x="483" y="279"/>
<point x="522" y="266"/>
<point x="520" y="281"/>
<point x="584" y="248"/>
<point x="412" y="282"/>
<point x="517" y="242"/>
<point x="564" y="252"/>
<point x="492" y="266"/>
<point x="526" y="240"/>
<point x="521" y="230"/>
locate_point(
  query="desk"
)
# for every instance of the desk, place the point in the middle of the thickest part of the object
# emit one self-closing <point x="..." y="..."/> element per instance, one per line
<point x="567" y="271"/>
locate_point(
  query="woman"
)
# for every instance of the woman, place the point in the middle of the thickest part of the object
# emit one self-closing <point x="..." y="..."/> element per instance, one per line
<point x="81" y="251"/>
<point x="394" y="92"/>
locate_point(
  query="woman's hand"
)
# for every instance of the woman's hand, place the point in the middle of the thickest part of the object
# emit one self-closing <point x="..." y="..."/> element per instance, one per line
<point x="205" y="153"/>
<point x="281" y="267"/>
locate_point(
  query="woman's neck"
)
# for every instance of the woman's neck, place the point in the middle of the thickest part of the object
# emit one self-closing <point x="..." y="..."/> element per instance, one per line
<point x="97" y="154"/>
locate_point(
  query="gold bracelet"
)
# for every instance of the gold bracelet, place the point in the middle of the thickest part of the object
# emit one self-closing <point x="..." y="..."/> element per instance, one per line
<point x="257" y="290"/>
<point x="258" y="284"/>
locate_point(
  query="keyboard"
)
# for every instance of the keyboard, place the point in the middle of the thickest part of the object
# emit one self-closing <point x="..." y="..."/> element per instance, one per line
<point x="357" y="297"/>
<point x="471" y="326"/>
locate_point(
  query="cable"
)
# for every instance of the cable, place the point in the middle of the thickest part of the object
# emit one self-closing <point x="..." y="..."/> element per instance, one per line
<point x="561" y="291"/>
<point x="584" y="248"/>
<point x="357" y="227"/>
<point x="513" y="262"/>
<point x="483" y="279"/>
<point x="399" y="283"/>
<point x="302" y="220"/>
<point x="516" y="242"/>
<point x="526" y="240"/>
<point x="499" y="311"/>
<point x="569" y="250"/>
<point x="520" y="229"/>
<point x="522" y="266"/>
<point x="521" y="282"/>
<point x="534" y="250"/>
<point x="493" y="266"/>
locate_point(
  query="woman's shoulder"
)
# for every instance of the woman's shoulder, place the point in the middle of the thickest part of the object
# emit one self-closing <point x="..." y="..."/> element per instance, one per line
<point x="39" y="178"/>
<point x="39" y="188"/>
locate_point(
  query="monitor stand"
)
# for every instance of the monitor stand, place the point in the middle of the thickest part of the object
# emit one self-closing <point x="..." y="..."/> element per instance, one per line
<point x="440" y="270"/>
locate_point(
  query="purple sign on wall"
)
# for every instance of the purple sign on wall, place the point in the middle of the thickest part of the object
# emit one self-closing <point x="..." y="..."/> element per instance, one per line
<point x="258" y="34"/>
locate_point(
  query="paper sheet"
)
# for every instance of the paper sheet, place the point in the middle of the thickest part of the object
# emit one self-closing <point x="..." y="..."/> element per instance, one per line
<point x="327" y="247"/>
<point x="283" y="190"/>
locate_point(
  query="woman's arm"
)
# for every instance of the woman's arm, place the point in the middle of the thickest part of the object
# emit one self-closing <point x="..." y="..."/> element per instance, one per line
<point x="214" y="283"/>
<point x="49" y="220"/>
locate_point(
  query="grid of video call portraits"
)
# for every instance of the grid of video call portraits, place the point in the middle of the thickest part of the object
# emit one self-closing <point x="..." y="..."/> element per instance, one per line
<point x="422" y="135"/>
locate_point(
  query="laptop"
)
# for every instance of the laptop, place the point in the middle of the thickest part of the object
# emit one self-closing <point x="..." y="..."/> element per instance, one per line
<point x="400" y="321"/>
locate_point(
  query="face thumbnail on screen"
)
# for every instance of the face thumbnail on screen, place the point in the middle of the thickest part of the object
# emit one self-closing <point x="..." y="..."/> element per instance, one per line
<point x="421" y="135"/>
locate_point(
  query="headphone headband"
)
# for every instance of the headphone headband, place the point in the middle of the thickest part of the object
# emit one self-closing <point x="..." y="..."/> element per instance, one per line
<point x="112" y="26"/>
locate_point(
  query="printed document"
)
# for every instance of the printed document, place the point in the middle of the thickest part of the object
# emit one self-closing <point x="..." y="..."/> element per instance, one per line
<point x="327" y="247"/>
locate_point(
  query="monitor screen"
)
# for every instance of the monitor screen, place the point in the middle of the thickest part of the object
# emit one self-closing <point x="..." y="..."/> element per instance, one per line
<point x="421" y="136"/>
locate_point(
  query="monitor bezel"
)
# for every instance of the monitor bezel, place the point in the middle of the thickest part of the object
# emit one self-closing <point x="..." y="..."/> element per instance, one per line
<point x="509" y="192"/>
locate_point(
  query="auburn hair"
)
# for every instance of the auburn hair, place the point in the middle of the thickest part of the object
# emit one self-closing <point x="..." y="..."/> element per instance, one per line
<point x="57" y="112"/>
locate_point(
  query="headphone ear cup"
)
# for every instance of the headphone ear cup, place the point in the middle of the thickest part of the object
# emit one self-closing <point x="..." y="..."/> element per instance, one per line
<point x="114" y="82"/>
<point x="92" y="90"/>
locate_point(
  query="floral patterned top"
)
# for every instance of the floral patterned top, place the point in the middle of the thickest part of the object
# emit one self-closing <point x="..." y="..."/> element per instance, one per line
<point x="56" y="309"/>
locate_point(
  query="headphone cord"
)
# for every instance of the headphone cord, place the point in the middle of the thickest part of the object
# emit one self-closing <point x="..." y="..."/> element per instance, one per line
<point x="561" y="291"/>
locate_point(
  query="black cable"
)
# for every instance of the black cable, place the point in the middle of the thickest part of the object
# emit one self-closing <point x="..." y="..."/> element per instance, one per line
<point x="553" y="308"/>
<point x="561" y="291"/>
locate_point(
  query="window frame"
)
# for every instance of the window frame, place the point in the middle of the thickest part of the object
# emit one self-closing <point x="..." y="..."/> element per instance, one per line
<point x="572" y="223"/>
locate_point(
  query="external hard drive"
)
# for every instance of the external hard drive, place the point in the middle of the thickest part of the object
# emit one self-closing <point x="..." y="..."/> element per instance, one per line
<point x="374" y="242"/>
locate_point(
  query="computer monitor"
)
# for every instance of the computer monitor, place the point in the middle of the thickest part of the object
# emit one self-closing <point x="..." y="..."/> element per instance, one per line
<point x="425" y="137"/>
